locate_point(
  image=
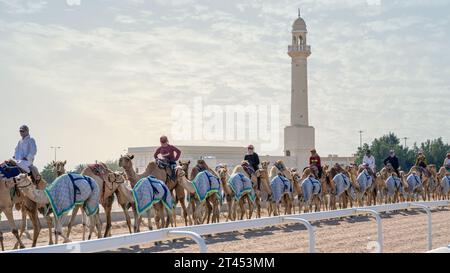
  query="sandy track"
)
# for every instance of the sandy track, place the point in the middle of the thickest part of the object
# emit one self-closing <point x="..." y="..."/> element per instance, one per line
<point x="404" y="231"/>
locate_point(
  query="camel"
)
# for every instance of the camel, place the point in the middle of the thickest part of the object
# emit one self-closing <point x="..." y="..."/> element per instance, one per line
<point x="366" y="186"/>
<point x="311" y="190"/>
<point x="58" y="167"/>
<point x="222" y="171"/>
<point x="211" y="202"/>
<point x="7" y="202"/>
<point x="108" y="182"/>
<point x="414" y="185"/>
<point x="279" y="169"/>
<point x="158" y="208"/>
<point x="443" y="177"/>
<point x="394" y="189"/>
<point x="343" y="187"/>
<point x="296" y="183"/>
<point x="245" y="197"/>
<point x="26" y="186"/>
<point x="152" y="169"/>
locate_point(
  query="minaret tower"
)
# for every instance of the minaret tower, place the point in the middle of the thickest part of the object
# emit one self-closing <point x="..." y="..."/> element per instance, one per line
<point x="299" y="136"/>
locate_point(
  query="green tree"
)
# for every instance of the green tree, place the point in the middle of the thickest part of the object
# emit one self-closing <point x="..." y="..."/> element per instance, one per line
<point x="48" y="174"/>
<point x="435" y="151"/>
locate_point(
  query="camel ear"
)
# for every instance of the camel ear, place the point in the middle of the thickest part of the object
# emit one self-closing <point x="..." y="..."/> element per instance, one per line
<point x="131" y="157"/>
<point x="53" y="163"/>
<point x="65" y="162"/>
<point x="189" y="162"/>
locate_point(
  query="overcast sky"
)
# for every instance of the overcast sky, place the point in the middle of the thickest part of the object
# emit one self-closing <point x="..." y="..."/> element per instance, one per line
<point x="97" y="76"/>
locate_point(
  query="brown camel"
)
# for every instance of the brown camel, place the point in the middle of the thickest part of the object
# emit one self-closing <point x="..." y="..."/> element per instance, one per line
<point x="161" y="174"/>
<point x="26" y="186"/>
<point x="245" y="198"/>
<point x="222" y="170"/>
<point x="58" y="167"/>
<point x="108" y="182"/>
<point x="9" y="198"/>
<point x="280" y="169"/>
<point x="212" y="202"/>
<point x="158" y="209"/>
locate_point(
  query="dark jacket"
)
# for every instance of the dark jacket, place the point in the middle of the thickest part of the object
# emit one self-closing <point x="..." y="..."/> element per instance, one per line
<point x="393" y="161"/>
<point x="253" y="159"/>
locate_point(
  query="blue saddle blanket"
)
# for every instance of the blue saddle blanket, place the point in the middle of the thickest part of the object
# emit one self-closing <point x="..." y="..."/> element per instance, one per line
<point x="206" y="183"/>
<point x="241" y="184"/>
<point x="9" y="171"/>
<point x="149" y="191"/>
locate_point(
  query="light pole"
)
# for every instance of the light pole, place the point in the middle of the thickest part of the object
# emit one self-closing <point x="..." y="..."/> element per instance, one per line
<point x="405" y="138"/>
<point x="360" y="138"/>
<point x="55" y="148"/>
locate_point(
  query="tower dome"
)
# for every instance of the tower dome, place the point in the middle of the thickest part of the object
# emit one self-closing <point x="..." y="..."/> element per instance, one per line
<point x="299" y="25"/>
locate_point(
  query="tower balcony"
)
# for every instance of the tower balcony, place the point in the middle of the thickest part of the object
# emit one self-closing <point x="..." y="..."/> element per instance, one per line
<point x="299" y="50"/>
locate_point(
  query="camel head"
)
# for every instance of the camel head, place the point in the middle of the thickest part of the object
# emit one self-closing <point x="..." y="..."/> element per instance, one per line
<point x="116" y="177"/>
<point x="222" y="171"/>
<point x="265" y="165"/>
<point x="180" y="173"/>
<point x="23" y="181"/>
<point x="126" y="162"/>
<point x="59" y="167"/>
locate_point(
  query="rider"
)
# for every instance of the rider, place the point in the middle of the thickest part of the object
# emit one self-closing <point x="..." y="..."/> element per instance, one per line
<point x="393" y="160"/>
<point x="314" y="160"/>
<point x="447" y="162"/>
<point x="369" y="159"/>
<point x="168" y="153"/>
<point x="25" y="152"/>
<point x="252" y="158"/>
<point x="421" y="163"/>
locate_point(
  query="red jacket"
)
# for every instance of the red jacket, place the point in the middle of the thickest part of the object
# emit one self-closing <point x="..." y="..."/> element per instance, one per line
<point x="168" y="153"/>
<point x="315" y="160"/>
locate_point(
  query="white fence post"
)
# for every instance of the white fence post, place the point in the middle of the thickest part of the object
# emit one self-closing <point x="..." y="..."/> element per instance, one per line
<point x="430" y="232"/>
<point x="194" y="236"/>
<point x="312" y="237"/>
<point x="379" y="227"/>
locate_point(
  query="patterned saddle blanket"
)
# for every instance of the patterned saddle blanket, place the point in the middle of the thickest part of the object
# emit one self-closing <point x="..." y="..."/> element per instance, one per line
<point x="206" y="183"/>
<point x="73" y="189"/>
<point x="241" y="184"/>
<point x="280" y="185"/>
<point x="149" y="191"/>
<point x="413" y="181"/>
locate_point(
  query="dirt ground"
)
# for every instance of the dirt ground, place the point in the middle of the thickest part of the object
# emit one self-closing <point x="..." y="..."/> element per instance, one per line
<point x="404" y="231"/>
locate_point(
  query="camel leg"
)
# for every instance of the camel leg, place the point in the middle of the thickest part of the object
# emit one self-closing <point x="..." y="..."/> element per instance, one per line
<point x="185" y="212"/>
<point x="241" y="206"/>
<point x="36" y="226"/>
<point x="127" y="216"/>
<point x="108" y="208"/>
<point x="208" y="210"/>
<point x="258" y="208"/>
<point x="149" y="217"/>
<point x="98" y="224"/>
<point x="12" y="224"/>
<point x="250" y="207"/>
<point x="72" y="220"/>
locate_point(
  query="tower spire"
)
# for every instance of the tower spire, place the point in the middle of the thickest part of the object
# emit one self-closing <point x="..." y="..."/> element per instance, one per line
<point x="298" y="12"/>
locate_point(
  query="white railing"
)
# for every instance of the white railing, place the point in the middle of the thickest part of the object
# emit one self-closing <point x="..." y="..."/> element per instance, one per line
<point x="195" y="232"/>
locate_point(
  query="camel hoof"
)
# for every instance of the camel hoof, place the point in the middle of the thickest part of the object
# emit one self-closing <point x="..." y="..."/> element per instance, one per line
<point x="22" y="246"/>
<point x="67" y="241"/>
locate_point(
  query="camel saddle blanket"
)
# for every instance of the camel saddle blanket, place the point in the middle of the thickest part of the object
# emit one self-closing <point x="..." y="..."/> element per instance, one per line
<point x="241" y="185"/>
<point x="342" y="183"/>
<point x="280" y="186"/>
<point x="100" y="170"/>
<point x="365" y="180"/>
<point x="310" y="186"/>
<point x="445" y="184"/>
<point x="413" y="181"/>
<point x="70" y="190"/>
<point x="149" y="191"/>
<point x="206" y="183"/>
<point x="8" y="171"/>
<point x="393" y="183"/>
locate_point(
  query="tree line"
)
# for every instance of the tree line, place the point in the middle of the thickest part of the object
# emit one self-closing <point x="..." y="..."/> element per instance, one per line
<point x="435" y="151"/>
